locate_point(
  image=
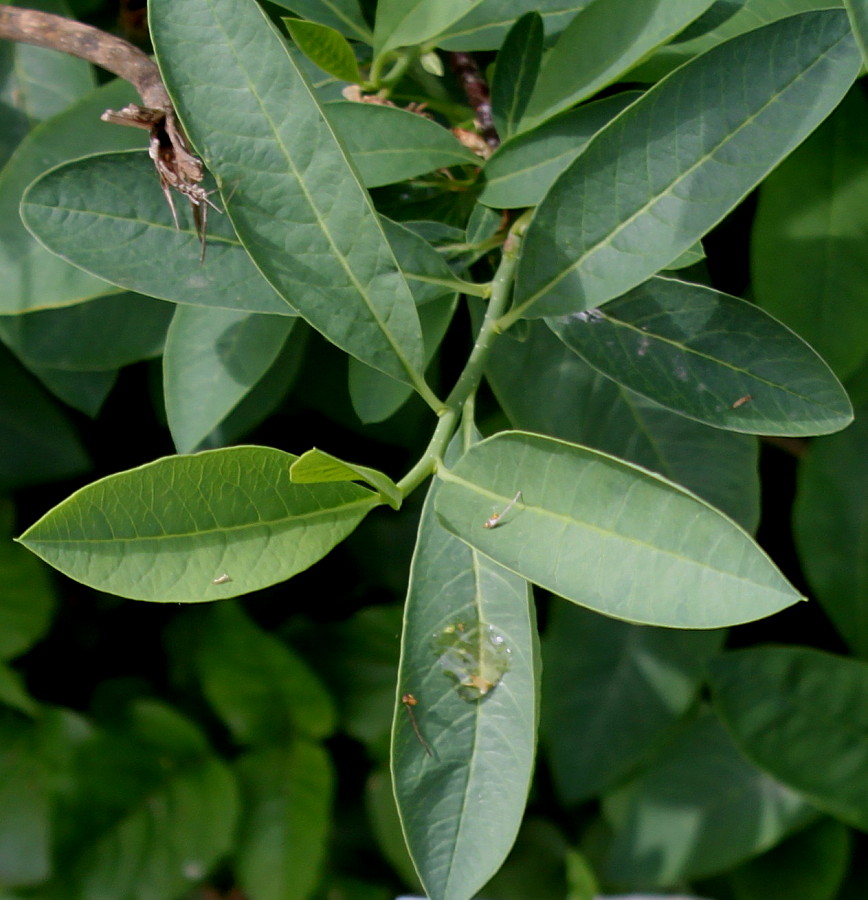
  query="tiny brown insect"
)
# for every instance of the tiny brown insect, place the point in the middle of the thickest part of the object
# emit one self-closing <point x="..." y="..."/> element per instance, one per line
<point x="741" y="401"/>
<point x="494" y="519"/>
<point x="409" y="702"/>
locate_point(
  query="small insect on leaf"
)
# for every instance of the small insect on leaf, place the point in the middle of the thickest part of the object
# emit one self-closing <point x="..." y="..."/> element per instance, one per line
<point x="221" y="579"/>
<point x="409" y="702"/>
<point x="741" y="401"/>
<point x="494" y="520"/>
<point x="474" y="656"/>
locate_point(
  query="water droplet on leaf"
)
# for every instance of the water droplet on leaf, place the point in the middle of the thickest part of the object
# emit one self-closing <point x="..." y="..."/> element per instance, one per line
<point x="474" y="655"/>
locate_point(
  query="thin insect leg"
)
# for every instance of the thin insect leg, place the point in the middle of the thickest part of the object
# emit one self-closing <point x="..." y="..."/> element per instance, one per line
<point x="167" y="193"/>
<point x="409" y="702"/>
<point x="200" y="222"/>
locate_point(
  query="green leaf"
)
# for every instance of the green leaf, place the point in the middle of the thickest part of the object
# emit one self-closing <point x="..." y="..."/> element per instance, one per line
<point x="288" y="188"/>
<point x="811" y="219"/>
<point x="711" y="357"/>
<point x="628" y="686"/>
<point x="326" y="47"/>
<point x="800" y="714"/>
<point x="591" y="53"/>
<point x="700" y="809"/>
<point x="29" y="273"/>
<point x="192" y="528"/>
<point x="388" y="144"/>
<point x="13" y="692"/>
<point x="285" y="827"/>
<point x="344" y="16"/>
<point x="84" y="391"/>
<point x="857" y="10"/>
<point x="516" y="72"/>
<point x="608" y="535"/>
<point x="657" y="189"/>
<point x="107" y="215"/>
<point x="100" y="335"/>
<point x="39" y="443"/>
<point x="830" y="525"/>
<point x="523" y="168"/>
<point x="408" y="23"/>
<point x="810" y="865"/>
<point x="479" y="804"/>
<point x="587" y="408"/>
<point x="213" y="359"/>
<point x="262" y="691"/>
<point x="27" y="597"/>
<point x="317" y="467"/>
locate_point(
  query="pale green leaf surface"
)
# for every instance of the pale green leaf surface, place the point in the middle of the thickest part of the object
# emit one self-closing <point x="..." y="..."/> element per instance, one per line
<point x="522" y="169"/>
<point x="344" y="16"/>
<point x="711" y="357"/>
<point x="628" y="685"/>
<point x="102" y="334"/>
<point x="656" y="185"/>
<point x="193" y="528"/>
<point x="461" y="806"/>
<point x="285" y="826"/>
<point x="401" y="23"/>
<point x="809" y="238"/>
<point x="809" y="865"/>
<point x="32" y="277"/>
<point x="388" y="144"/>
<point x="287" y="185"/>
<point x="107" y="215"/>
<point x="258" y="686"/>
<point x="317" y="466"/>
<point x="801" y="715"/>
<point x="608" y="535"/>
<point x="326" y="47"/>
<point x="830" y="525"/>
<point x="213" y="359"/>
<point x="516" y="72"/>
<point x="699" y="809"/>
<point x="486" y="26"/>
<point x="590" y="53"/>
<point x="690" y="257"/>
<point x="857" y="10"/>
<point x="543" y="386"/>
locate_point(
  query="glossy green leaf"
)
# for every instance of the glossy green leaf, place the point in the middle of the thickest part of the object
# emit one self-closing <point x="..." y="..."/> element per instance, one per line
<point x="39" y="443"/>
<point x="485" y="27"/>
<point x="288" y="188"/>
<point x="262" y="691"/>
<point x="523" y="169"/>
<point x="655" y="188"/>
<point x="107" y="215"/>
<point x="375" y="396"/>
<point x="481" y="752"/>
<point x="711" y="357"/>
<point x="700" y="809"/>
<point x="830" y="525"/>
<point x="317" y="466"/>
<point x="857" y="10"/>
<point x="99" y="335"/>
<point x="628" y="685"/>
<point x="326" y="47"/>
<point x="801" y="715"/>
<point x="342" y="15"/>
<point x="285" y="827"/>
<point x="27" y="595"/>
<point x="690" y="257"/>
<point x="192" y="528"/>
<point x="388" y="144"/>
<point x="591" y="53"/>
<point x="516" y="72"/>
<point x="608" y="535"/>
<point x="171" y="834"/>
<point x="32" y="277"/>
<point x="809" y="235"/>
<point x="213" y="359"/>
<point x="408" y="23"/>
<point x="810" y="865"/>
<point x="584" y="407"/>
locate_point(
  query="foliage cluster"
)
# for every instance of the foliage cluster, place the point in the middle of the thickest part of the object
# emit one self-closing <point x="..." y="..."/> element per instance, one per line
<point x="569" y="346"/>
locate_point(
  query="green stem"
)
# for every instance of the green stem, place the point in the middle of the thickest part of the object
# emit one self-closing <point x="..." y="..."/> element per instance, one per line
<point x="433" y="453"/>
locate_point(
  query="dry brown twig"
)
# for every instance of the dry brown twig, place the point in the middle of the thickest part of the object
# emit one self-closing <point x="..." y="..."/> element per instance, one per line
<point x="177" y="166"/>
